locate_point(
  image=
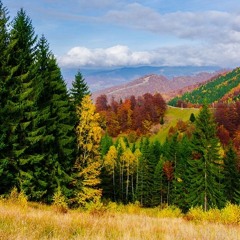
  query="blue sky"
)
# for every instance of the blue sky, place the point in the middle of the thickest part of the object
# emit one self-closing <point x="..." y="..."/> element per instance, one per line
<point x="114" y="33"/>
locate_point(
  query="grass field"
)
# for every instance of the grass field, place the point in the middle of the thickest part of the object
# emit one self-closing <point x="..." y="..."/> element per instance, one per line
<point x="171" y="118"/>
<point x="34" y="221"/>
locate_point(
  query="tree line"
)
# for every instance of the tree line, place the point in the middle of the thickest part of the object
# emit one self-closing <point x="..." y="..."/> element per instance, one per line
<point x="52" y="140"/>
<point x="42" y="144"/>
<point x="213" y="91"/>
<point x="131" y="115"/>
<point x="190" y="169"/>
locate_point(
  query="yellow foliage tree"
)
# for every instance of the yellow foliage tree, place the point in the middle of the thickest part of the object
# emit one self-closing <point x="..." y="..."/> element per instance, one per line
<point x="110" y="162"/>
<point x="88" y="162"/>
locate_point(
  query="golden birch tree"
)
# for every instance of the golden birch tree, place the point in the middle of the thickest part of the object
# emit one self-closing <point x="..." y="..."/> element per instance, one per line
<point x="88" y="162"/>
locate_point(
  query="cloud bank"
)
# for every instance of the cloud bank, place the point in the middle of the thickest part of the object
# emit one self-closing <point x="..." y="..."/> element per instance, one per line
<point x="210" y="37"/>
<point x="225" y="55"/>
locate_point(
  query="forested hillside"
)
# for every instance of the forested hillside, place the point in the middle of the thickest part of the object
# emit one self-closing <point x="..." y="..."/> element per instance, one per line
<point x="214" y="91"/>
<point x="57" y="146"/>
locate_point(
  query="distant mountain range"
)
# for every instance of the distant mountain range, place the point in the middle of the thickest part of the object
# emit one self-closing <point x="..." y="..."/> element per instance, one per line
<point x="153" y="83"/>
<point x="99" y="79"/>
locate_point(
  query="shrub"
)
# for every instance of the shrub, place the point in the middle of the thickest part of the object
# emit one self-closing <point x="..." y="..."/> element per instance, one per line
<point x="170" y="212"/>
<point x="231" y="214"/>
<point x="195" y="214"/>
<point x="59" y="202"/>
<point x="17" y="198"/>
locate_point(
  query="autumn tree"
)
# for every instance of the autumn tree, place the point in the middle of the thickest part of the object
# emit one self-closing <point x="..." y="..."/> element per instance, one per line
<point x="110" y="163"/>
<point x="101" y="103"/>
<point x="88" y="164"/>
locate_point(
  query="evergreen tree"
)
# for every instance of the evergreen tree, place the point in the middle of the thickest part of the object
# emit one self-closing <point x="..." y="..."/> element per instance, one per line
<point x="79" y="89"/>
<point x="147" y="166"/>
<point x="231" y="174"/>
<point x="180" y="177"/>
<point x="19" y="110"/>
<point x="204" y="170"/>
<point x="53" y="138"/>
<point x="159" y="189"/>
<point x="192" y="117"/>
<point x="5" y="174"/>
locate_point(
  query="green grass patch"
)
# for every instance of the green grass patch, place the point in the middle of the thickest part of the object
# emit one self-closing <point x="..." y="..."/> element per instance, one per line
<point x="172" y="116"/>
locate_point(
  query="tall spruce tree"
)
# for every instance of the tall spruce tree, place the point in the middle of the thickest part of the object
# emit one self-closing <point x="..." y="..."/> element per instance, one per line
<point x="53" y="138"/>
<point x="19" y="109"/>
<point x="180" y="177"/>
<point x="204" y="170"/>
<point x="159" y="189"/>
<point x="79" y="89"/>
<point x="5" y="169"/>
<point x="147" y="165"/>
<point x="231" y="174"/>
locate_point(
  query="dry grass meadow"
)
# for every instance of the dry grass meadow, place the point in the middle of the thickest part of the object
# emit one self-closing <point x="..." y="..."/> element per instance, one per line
<point x="30" y="221"/>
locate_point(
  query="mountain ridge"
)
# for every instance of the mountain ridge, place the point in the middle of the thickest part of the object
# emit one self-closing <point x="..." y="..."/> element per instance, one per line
<point x="153" y="83"/>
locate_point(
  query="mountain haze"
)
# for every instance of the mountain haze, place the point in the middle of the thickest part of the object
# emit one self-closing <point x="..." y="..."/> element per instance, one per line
<point x="98" y="79"/>
<point x="156" y="83"/>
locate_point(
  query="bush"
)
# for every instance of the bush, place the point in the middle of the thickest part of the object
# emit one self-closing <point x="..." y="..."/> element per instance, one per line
<point x="231" y="214"/>
<point x="16" y="197"/>
<point x="195" y="214"/>
<point x="170" y="212"/>
<point x="59" y="202"/>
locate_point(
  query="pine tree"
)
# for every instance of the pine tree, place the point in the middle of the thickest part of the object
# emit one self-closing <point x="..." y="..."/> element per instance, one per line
<point x="180" y="177"/>
<point x="204" y="170"/>
<point x="159" y="184"/>
<point x="19" y="110"/>
<point x="53" y="138"/>
<point x="79" y="89"/>
<point x="231" y="174"/>
<point x="6" y="177"/>
<point x="146" y="169"/>
<point x="88" y="163"/>
<point x="192" y="117"/>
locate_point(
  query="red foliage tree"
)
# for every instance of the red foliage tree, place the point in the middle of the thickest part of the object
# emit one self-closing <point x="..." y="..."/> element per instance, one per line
<point x="101" y="103"/>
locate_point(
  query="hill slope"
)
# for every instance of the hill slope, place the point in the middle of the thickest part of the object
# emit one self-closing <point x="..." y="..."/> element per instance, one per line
<point x="220" y="89"/>
<point x="155" y="83"/>
<point x="172" y="116"/>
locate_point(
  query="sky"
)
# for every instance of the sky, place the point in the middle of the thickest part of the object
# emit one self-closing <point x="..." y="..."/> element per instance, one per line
<point x="114" y="33"/>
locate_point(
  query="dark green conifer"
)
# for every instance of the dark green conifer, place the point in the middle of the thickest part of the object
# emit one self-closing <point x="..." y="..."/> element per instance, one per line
<point x="5" y="173"/>
<point x="19" y="110"/>
<point x="231" y="174"/>
<point x="79" y="89"/>
<point x="204" y="170"/>
<point x="54" y="145"/>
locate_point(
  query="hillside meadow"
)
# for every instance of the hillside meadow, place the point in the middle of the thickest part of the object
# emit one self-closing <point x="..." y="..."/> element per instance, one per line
<point x="20" y="220"/>
<point x="172" y="116"/>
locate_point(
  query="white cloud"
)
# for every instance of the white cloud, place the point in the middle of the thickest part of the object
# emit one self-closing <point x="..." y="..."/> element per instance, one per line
<point x="214" y="26"/>
<point x="224" y="55"/>
<point x="114" y="56"/>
